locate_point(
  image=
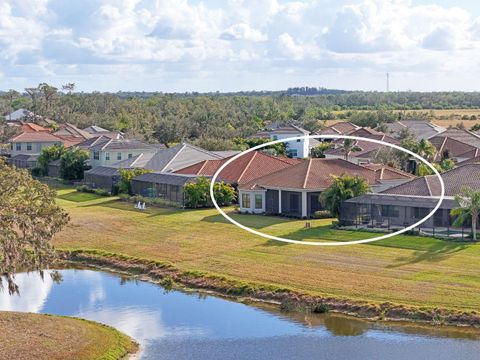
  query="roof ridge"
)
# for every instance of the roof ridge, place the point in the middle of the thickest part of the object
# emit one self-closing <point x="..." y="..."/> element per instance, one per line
<point x="108" y="143"/>
<point x="428" y="186"/>
<point x="246" y="167"/>
<point x="306" y="175"/>
<point x="203" y="166"/>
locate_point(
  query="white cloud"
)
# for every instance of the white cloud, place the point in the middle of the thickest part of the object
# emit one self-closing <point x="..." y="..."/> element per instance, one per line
<point x="183" y="39"/>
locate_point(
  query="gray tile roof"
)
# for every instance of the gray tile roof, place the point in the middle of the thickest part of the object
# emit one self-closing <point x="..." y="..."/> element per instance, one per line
<point x="421" y="129"/>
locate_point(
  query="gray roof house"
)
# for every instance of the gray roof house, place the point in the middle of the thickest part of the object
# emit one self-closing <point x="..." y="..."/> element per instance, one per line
<point x="421" y="129"/>
<point x="406" y="204"/>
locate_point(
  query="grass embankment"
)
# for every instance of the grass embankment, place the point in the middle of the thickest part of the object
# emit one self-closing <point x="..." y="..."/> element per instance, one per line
<point x="406" y="270"/>
<point x="35" y="336"/>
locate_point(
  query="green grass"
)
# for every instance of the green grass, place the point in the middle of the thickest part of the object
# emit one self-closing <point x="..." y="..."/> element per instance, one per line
<point x="77" y="196"/>
<point x="409" y="270"/>
<point x="58" y="337"/>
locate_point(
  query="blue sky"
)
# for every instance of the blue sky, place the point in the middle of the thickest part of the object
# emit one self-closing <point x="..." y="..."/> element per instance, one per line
<point x="230" y="45"/>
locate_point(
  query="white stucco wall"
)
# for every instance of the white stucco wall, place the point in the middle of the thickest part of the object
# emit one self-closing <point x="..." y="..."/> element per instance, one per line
<point x="251" y="209"/>
<point x="302" y="145"/>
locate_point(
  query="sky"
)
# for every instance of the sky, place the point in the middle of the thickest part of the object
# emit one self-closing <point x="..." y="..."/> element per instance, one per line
<point x="233" y="45"/>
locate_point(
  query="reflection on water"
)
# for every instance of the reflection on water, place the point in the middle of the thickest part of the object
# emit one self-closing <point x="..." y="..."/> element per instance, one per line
<point x="177" y="325"/>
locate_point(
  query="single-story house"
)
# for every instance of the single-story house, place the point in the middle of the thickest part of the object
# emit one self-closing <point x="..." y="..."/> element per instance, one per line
<point x="406" y="204"/>
<point x="167" y="186"/>
<point x="454" y="149"/>
<point x="294" y="191"/>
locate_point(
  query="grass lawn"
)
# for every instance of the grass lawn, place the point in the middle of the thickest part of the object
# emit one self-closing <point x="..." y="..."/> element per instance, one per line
<point x="51" y="337"/>
<point x="77" y="196"/>
<point x="404" y="270"/>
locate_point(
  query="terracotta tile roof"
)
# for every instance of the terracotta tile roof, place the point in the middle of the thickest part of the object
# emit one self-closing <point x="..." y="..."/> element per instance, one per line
<point x="463" y="135"/>
<point x="385" y="172"/>
<point x="250" y="166"/>
<point x="32" y="127"/>
<point x="455" y="148"/>
<point x="368" y="148"/>
<point x="473" y="160"/>
<point x="312" y="174"/>
<point x="37" y="136"/>
<point x="340" y="128"/>
<point x="455" y="179"/>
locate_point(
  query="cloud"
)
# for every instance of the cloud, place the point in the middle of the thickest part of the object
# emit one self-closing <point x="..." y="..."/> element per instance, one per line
<point x="201" y="40"/>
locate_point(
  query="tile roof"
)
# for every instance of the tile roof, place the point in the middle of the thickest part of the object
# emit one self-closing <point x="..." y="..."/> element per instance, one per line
<point x="455" y="148"/>
<point x="455" y="179"/>
<point x="312" y="174"/>
<point x="32" y="127"/>
<point x="71" y="130"/>
<point x="103" y="171"/>
<point x="385" y="172"/>
<point x="288" y="129"/>
<point x="340" y="128"/>
<point x="105" y="143"/>
<point x="420" y="129"/>
<point x="368" y="148"/>
<point x="247" y="167"/>
<point x="463" y="135"/>
<point x="37" y="136"/>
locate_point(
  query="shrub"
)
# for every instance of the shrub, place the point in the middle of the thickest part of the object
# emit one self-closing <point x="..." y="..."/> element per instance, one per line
<point x="84" y="188"/>
<point x="101" y="192"/>
<point x="320" y="309"/>
<point x="322" y="214"/>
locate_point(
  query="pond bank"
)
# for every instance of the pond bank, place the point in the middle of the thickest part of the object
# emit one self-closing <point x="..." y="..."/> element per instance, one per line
<point x="37" y="336"/>
<point x="170" y="277"/>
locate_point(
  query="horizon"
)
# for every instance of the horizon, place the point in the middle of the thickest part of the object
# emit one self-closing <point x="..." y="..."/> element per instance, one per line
<point x="243" y="45"/>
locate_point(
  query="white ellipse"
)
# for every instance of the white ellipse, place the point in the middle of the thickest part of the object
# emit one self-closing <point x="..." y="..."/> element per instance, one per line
<point x="334" y="243"/>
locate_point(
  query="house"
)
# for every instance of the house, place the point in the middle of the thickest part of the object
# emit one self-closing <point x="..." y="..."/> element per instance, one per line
<point x="27" y="146"/>
<point x="170" y="159"/>
<point x="105" y="151"/>
<point x="406" y="204"/>
<point x="451" y="148"/>
<point x="19" y="115"/>
<point x="32" y="127"/>
<point x="294" y="191"/>
<point x="340" y="128"/>
<point x="298" y="148"/>
<point x="167" y="186"/>
<point x="420" y="129"/>
<point x="97" y="131"/>
<point x="463" y="135"/>
<point x="368" y="150"/>
<point x="71" y="131"/>
<point x="246" y="168"/>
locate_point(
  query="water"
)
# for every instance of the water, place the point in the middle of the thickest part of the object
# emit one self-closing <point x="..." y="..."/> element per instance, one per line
<point x="178" y="325"/>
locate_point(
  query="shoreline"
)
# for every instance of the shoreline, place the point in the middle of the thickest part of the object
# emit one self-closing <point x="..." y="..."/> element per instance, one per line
<point x="170" y="277"/>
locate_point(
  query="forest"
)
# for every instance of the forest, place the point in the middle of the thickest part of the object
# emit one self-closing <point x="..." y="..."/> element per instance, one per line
<point x="213" y="120"/>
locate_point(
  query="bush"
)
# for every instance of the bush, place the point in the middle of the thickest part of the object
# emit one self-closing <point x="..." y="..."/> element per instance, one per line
<point x="322" y="214"/>
<point x="152" y="201"/>
<point x="84" y="188"/>
<point x="101" y="192"/>
<point x="87" y="189"/>
<point x="320" y="309"/>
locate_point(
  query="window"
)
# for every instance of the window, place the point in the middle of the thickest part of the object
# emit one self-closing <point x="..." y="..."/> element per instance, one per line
<point x="298" y="140"/>
<point x="258" y="201"/>
<point x="18" y="146"/>
<point x="390" y="211"/>
<point x="275" y="137"/>
<point x="130" y="156"/>
<point x="246" y="200"/>
<point x="107" y="156"/>
<point x="29" y="146"/>
<point x="419" y="213"/>
<point x="96" y="155"/>
<point x="119" y="156"/>
<point x="292" y="153"/>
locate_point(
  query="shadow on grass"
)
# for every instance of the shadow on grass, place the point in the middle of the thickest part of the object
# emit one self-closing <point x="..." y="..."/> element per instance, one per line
<point x="324" y="232"/>
<point x="252" y="221"/>
<point x="439" y="251"/>
<point x="75" y="196"/>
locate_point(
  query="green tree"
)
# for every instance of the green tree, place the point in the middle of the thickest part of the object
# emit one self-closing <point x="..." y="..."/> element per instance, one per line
<point x="73" y="164"/>
<point x="469" y="209"/>
<point x="29" y="217"/>
<point x="349" y="146"/>
<point x="197" y="194"/>
<point x="126" y="177"/>
<point x="319" y="150"/>
<point x="47" y="155"/>
<point x="342" y="188"/>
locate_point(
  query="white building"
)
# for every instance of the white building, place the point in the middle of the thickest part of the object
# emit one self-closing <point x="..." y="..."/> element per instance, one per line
<point x="299" y="148"/>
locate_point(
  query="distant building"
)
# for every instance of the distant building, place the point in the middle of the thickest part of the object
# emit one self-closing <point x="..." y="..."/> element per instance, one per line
<point x="420" y="129"/>
<point x="298" y="148"/>
<point x="340" y="128"/>
<point x="26" y="147"/>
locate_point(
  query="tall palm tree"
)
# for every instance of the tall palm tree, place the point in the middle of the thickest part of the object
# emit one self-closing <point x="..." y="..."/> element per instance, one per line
<point x="426" y="150"/>
<point x="469" y="208"/>
<point x="349" y="146"/>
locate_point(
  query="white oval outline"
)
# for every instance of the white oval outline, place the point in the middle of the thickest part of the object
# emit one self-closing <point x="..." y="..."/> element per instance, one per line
<point x="335" y="243"/>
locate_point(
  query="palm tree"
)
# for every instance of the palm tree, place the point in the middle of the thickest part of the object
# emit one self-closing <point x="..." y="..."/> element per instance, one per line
<point x="426" y="150"/>
<point x="349" y="146"/>
<point x="469" y="208"/>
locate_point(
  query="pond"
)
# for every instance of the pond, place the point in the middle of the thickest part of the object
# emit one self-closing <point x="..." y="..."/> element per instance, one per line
<point x="183" y="325"/>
